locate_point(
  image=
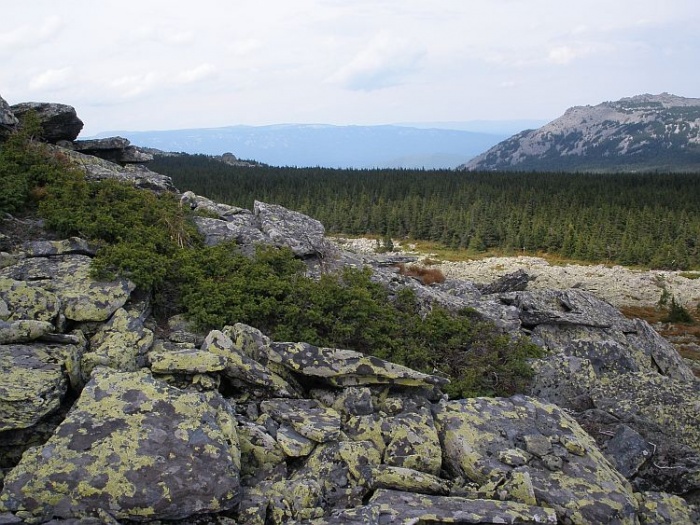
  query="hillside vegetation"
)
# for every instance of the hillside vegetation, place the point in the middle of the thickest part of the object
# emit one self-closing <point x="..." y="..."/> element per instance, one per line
<point x="151" y="239"/>
<point x="650" y="220"/>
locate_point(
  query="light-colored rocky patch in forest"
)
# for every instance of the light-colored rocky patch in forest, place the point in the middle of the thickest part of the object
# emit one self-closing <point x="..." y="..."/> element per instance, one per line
<point x="618" y="285"/>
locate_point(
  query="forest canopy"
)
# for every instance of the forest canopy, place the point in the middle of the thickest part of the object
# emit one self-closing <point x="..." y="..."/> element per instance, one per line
<point x="650" y="220"/>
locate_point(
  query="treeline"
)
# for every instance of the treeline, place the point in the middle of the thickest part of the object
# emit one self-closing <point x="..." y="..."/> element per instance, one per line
<point x="633" y="219"/>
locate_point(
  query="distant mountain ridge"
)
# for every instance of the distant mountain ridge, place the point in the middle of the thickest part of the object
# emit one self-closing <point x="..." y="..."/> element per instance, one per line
<point x="640" y="133"/>
<point x="310" y="145"/>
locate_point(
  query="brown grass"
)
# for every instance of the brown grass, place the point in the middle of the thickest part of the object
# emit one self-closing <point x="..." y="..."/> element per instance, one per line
<point x="427" y="276"/>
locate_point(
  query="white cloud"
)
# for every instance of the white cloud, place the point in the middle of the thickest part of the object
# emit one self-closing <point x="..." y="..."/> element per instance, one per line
<point x="31" y="35"/>
<point x="132" y="86"/>
<point x="196" y="74"/>
<point x="385" y="61"/>
<point x="51" y="80"/>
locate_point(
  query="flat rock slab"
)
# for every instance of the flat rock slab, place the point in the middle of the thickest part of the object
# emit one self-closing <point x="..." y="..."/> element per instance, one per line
<point x="408" y="508"/>
<point x="567" y="471"/>
<point x="347" y="367"/>
<point x="32" y="384"/>
<point x="135" y="446"/>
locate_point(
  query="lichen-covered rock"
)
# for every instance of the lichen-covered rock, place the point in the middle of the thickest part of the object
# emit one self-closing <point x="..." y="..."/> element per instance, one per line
<point x="308" y="417"/>
<point x="666" y="403"/>
<point x="121" y="344"/>
<point x="240" y="228"/>
<point x="564" y="380"/>
<point x="58" y="121"/>
<point x="71" y="246"/>
<point x="23" y="331"/>
<point x="260" y="452"/>
<point x="32" y="384"/>
<point x="658" y="508"/>
<point x="245" y="372"/>
<point x="406" y="479"/>
<point x="283" y="227"/>
<point x="412" y="441"/>
<point x="407" y="507"/>
<point x="81" y="298"/>
<point x="21" y="300"/>
<point x="568" y="472"/>
<point x="136" y="447"/>
<point x="347" y="367"/>
<point x="185" y="361"/>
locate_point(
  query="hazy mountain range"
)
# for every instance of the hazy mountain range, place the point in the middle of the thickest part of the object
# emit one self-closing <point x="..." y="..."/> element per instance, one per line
<point x="430" y="145"/>
<point x="640" y="133"/>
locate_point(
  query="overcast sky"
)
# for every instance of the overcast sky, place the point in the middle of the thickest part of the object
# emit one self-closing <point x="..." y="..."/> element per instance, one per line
<point x="173" y="64"/>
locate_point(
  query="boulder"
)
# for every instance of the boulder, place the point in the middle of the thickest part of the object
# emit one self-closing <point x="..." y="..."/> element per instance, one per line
<point x="567" y="471"/>
<point x="32" y="384"/>
<point x="511" y="282"/>
<point x="662" y="401"/>
<point x="283" y="227"/>
<point x="81" y="297"/>
<point x="121" y="344"/>
<point x="239" y="228"/>
<point x="245" y="373"/>
<point x="307" y="417"/>
<point x="135" y="447"/>
<point x="58" y="121"/>
<point x="23" y="331"/>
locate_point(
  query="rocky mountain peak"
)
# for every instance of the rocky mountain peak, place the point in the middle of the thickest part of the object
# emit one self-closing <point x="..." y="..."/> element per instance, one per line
<point x="640" y="133"/>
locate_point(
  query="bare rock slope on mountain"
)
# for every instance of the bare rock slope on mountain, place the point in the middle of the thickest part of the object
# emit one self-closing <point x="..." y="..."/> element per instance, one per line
<point x="640" y="133"/>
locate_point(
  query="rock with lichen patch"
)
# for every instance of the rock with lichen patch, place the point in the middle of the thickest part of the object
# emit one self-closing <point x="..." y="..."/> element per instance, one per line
<point x="245" y="372"/>
<point x="666" y="403"/>
<point x="407" y="507"/>
<point x="122" y="344"/>
<point x="341" y="367"/>
<point x="32" y="384"/>
<point x="658" y="508"/>
<point x="81" y="297"/>
<point x="22" y="300"/>
<point x="308" y="417"/>
<point x="135" y="446"/>
<point x="568" y="472"/>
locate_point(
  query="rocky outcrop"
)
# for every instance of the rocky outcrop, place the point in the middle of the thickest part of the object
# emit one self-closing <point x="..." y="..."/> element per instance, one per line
<point x="8" y="121"/>
<point x="58" y="121"/>
<point x="97" y="169"/>
<point x="114" y="149"/>
<point x="266" y="224"/>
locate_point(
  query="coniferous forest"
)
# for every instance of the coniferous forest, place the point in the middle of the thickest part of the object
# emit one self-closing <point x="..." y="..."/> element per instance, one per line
<point x="650" y="220"/>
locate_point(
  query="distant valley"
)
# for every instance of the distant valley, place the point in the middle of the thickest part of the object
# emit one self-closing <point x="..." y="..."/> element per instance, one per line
<point x="437" y="145"/>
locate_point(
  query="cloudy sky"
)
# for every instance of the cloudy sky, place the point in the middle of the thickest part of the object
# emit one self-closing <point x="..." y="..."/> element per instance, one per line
<point x="173" y="64"/>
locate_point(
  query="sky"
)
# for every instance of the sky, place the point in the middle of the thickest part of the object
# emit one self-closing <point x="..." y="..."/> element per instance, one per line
<point x="176" y="64"/>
